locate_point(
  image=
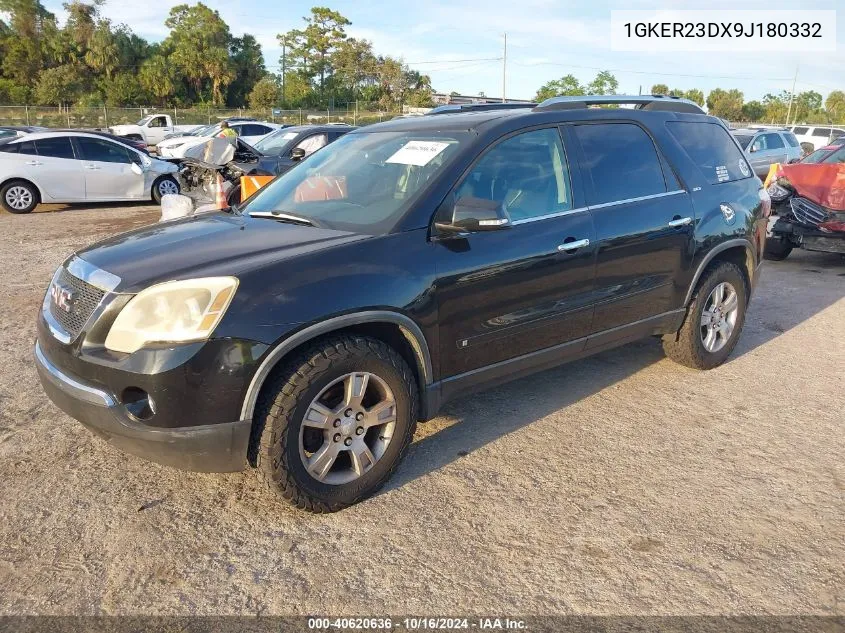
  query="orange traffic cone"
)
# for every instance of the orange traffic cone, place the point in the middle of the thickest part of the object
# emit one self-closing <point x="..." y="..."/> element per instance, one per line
<point x="220" y="197"/>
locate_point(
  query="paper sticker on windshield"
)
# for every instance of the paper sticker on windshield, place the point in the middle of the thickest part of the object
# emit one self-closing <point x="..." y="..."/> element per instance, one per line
<point x="743" y="167"/>
<point x="722" y="173"/>
<point x="417" y="153"/>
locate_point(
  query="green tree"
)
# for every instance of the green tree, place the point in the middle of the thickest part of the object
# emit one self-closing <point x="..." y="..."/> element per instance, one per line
<point x="103" y="54"/>
<point x="695" y="95"/>
<point x="266" y="93"/>
<point x="753" y="111"/>
<point x="123" y="89"/>
<point x="200" y="39"/>
<point x="776" y="107"/>
<point x="806" y="105"/>
<point x="25" y="42"/>
<point x="566" y="85"/>
<point x="835" y="106"/>
<point x="158" y="77"/>
<point x="660" y="89"/>
<point x="726" y="104"/>
<point x="312" y="48"/>
<point x="60" y="86"/>
<point x="604" y="84"/>
<point x="248" y="65"/>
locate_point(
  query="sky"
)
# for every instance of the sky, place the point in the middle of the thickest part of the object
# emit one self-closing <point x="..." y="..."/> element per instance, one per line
<point x="459" y="43"/>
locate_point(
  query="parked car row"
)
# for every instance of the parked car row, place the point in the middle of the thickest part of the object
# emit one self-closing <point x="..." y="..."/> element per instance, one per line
<point x="68" y="166"/>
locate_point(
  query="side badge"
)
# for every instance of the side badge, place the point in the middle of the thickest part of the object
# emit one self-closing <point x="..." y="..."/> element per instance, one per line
<point x="743" y="167"/>
<point x="728" y="212"/>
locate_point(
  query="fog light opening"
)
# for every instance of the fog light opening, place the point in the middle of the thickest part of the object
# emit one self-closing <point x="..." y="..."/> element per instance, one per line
<point x="138" y="403"/>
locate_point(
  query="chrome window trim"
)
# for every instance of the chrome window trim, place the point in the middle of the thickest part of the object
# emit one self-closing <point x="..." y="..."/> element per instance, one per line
<point x="89" y="273"/>
<point x="639" y="199"/>
<point x="70" y="385"/>
<point x="557" y="214"/>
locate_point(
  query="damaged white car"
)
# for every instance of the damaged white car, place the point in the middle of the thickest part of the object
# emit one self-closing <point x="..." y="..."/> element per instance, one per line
<point x="210" y="173"/>
<point x="67" y="167"/>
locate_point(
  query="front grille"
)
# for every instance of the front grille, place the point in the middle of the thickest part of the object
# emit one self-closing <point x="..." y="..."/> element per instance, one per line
<point x="806" y="212"/>
<point x="85" y="301"/>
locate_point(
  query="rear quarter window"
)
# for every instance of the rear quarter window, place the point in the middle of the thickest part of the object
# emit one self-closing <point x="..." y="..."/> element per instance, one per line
<point x="711" y="148"/>
<point x="790" y="139"/>
<point x="800" y="130"/>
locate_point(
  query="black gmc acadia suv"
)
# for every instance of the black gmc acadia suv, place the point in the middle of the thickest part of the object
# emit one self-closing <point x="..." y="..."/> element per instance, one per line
<point x="305" y="333"/>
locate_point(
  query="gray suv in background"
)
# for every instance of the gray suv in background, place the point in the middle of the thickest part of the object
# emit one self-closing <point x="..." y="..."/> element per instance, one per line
<point x="765" y="147"/>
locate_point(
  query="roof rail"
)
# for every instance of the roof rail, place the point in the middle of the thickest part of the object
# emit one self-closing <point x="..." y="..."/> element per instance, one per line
<point x="452" y="108"/>
<point x="642" y="102"/>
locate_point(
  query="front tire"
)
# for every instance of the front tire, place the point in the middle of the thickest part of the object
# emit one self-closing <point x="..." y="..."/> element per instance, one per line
<point x="333" y="424"/>
<point x="163" y="186"/>
<point x="777" y="249"/>
<point x="714" y="319"/>
<point x="19" y="196"/>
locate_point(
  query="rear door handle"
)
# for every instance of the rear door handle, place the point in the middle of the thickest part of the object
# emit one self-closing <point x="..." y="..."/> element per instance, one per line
<point x="573" y="246"/>
<point x="34" y="163"/>
<point x="679" y="222"/>
<point x="91" y="167"/>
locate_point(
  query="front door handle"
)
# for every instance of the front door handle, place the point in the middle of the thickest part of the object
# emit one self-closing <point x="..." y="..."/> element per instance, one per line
<point x="34" y="163"/>
<point x="91" y="167"/>
<point x="676" y="221"/>
<point x="574" y="245"/>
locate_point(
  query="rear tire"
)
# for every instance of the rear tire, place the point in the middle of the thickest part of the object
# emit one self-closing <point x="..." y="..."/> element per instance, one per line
<point x="19" y="196"/>
<point x="711" y="330"/>
<point x="777" y="249"/>
<point x="287" y="451"/>
<point x="163" y="186"/>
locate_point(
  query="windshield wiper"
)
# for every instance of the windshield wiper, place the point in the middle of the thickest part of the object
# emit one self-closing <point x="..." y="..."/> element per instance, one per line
<point x="282" y="216"/>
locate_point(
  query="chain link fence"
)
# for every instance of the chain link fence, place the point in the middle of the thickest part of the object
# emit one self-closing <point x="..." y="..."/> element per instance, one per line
<point x="354" y="113"/>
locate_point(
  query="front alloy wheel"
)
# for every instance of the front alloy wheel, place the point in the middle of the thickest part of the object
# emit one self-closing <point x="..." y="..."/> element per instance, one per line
<point x="19" y="197"/>
<point x="718" y="319"/>
<point x="347" y="428"/>
<point x="332" y="423"/>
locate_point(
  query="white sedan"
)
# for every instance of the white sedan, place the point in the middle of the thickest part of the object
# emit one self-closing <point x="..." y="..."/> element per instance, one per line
<point x="248" y="131"/>
<point x="50" y="167"/>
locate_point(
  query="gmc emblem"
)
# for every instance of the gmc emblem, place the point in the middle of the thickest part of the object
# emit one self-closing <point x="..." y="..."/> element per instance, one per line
<point x="63" y="298"/>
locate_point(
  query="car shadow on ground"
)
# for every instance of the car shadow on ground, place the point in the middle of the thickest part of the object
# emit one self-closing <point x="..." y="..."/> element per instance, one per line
<point x="483" y="418"/>
<point x="90" y="206"/>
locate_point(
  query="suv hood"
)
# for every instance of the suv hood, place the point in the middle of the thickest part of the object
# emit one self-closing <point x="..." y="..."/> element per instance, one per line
<point x="205" y="246"/>
<point x="822" y="183"/>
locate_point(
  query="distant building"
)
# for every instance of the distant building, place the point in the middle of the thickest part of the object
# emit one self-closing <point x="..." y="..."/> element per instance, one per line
<point x="442" y="98"/>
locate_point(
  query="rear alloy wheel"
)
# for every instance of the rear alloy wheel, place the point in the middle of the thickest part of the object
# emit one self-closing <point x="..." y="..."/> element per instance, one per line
<point x="714" y="319"/>
<point x="334" y="422"/>
<point x="18" y="197"/>
<point x="164" y="186"/>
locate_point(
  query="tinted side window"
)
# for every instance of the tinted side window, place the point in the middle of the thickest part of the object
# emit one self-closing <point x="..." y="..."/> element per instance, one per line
<point x="622" y="161"/>
<point x="527" y="174"/>
<point x="313" y="143"/>
<point x="837" y="157"/>
<point x="27" y="147"/>
<point x="790" y="139"/>
<point x="800" y="130"/>
<point x="771" y="141"/>
<point x="57" y="147"/>
<point x="711" y="148"/>
<point x="255" y="130"/>
<point x="822" y="131"/>
<point x="95" y="149"/>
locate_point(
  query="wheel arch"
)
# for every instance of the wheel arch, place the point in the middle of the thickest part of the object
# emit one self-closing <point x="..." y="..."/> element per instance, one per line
<point x="158" y="179"/>
<point x="27" y="181"/>
<point x="738" y="251"/>
<point x="394" y="328"/>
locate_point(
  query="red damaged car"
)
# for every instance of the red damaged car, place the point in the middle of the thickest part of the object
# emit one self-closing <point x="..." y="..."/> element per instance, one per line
<point x="808" y="207"/>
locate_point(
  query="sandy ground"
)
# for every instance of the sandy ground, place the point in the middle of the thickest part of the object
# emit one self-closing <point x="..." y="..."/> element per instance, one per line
<point x="621" y="484"/>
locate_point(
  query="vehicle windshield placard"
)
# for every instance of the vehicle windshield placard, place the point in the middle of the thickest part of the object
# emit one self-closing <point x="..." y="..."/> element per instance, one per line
<point x="417" y="153"/>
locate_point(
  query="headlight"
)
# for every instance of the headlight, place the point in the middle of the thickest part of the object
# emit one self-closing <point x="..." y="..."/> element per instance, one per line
<point x="174" y="145"/>
<point x="172" y="312"/>
<point x="778" y="193"/>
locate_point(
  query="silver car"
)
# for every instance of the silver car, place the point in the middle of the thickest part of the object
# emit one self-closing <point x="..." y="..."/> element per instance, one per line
<point x="49" y="167"/>
<point x="765" y="147"/>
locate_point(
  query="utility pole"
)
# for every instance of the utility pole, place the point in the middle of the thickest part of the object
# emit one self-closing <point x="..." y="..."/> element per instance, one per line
<point x="284" y="60"/>
<point x="791" y="95"/>
<point x="505" y="69"/>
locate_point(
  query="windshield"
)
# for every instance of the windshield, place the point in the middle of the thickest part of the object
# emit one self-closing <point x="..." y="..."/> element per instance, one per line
<point x="145" y="120"/>
<point x="837" y="157"/>
<point x="363" y="182"/>
<point x="201" y="131"/>
<point x="743" y="140"/>
<point x="817" y="156"/>
<point x="276" y="143"/>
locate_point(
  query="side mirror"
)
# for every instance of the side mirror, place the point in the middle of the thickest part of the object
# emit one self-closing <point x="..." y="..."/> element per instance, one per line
<point x="472" y="215"/>
<point x="297" y="153"/>
<point x="136" y="169"/>
<point x="753" y="149"/>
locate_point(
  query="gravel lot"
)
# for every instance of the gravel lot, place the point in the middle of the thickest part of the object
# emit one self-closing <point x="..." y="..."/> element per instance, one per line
<point x="621" y="484"/>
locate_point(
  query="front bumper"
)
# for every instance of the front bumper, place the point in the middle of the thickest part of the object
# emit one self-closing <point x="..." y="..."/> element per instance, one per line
<point x="208" y="448"/>
<point x="808" y="238"/>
